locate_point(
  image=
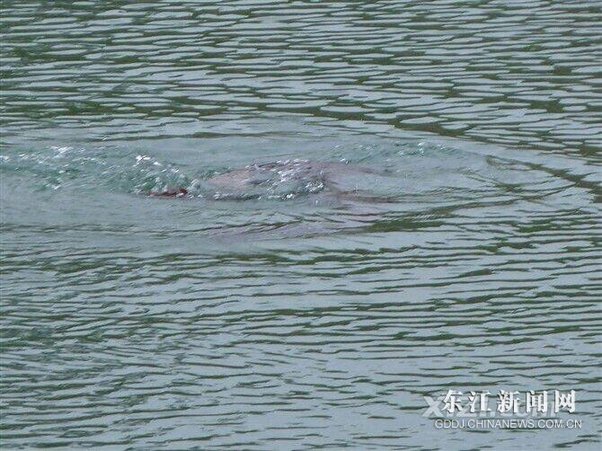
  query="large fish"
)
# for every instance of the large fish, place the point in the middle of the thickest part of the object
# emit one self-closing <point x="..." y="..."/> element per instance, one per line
<point x="288" y="179"/>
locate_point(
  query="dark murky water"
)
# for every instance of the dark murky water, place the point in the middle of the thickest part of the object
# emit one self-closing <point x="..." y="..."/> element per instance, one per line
<point x="297" y="319"/>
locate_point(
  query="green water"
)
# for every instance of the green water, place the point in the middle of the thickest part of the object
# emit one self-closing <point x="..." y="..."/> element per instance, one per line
<point x="304" y="319"/>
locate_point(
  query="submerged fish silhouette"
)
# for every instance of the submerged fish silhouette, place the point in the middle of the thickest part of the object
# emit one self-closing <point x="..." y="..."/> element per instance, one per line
<point x="287" y="179"/>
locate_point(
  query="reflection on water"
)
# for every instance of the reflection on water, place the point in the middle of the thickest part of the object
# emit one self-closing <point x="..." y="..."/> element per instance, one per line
<point x="311" y="320"/>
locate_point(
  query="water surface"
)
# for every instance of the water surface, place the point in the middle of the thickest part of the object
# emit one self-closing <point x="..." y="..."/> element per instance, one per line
<point x="303" y="321"/>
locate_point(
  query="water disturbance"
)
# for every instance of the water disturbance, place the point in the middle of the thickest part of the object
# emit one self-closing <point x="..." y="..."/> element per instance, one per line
<point x="377" y="201"/>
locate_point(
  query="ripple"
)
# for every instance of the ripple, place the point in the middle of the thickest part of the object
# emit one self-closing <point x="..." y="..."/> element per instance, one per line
<point x="141" y="323"/>
<point x="465" y="77"/>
